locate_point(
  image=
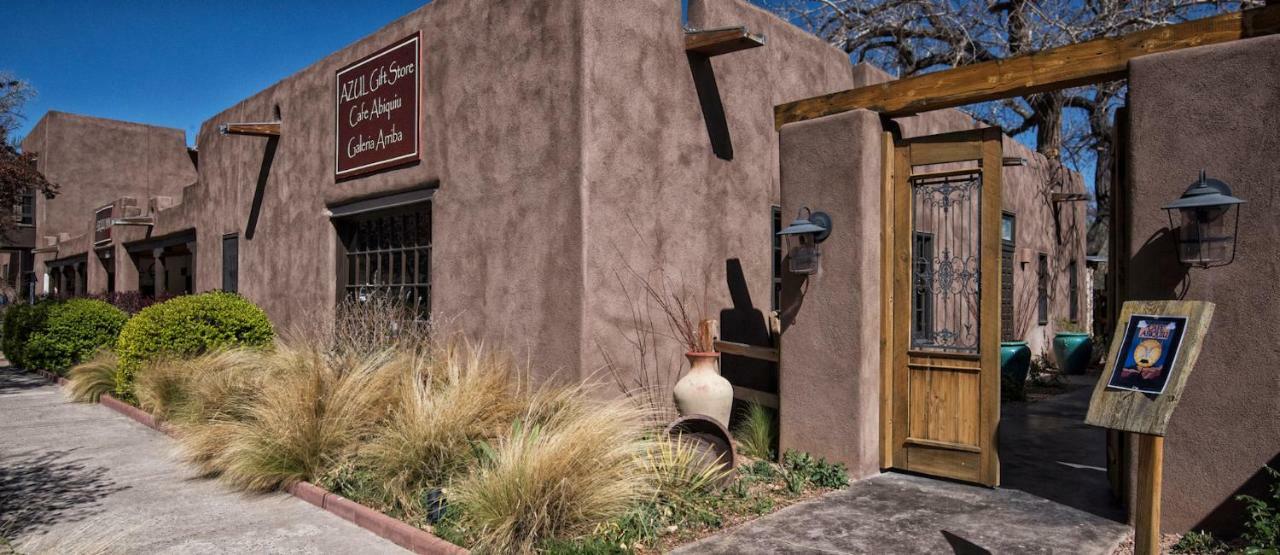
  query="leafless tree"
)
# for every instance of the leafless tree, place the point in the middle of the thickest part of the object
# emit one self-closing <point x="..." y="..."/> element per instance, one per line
<point x="18" y="174"/>
<point x="1072" y="127"/>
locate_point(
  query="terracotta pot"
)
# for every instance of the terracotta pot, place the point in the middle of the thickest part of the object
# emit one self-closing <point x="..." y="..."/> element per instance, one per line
<point x="703" y="390"/>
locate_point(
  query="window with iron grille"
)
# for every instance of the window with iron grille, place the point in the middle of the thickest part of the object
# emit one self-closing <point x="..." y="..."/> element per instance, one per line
<point x="388" y="252"/>
<point x="922" y="304"/>
<point x="26" y="209"/>
<point x="1042" y="304"/>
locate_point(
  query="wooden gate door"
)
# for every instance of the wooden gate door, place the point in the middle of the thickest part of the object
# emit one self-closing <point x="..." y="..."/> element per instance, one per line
<point x="946" y="322"/>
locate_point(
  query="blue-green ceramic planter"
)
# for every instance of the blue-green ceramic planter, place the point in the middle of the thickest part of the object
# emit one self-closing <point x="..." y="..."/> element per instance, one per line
<point x="1015" y="360"/>
<point x="1072" y="351"/>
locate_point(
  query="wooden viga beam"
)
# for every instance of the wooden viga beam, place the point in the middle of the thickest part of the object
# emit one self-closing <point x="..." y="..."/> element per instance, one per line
<point x="262" y="129"/>
<point x="713" y="42"/>
<point x="1095" y="61"/>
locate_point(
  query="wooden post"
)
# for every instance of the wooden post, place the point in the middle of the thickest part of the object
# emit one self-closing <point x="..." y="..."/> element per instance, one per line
<point x="1146" y="525"/>
<point x="708" y="333"/>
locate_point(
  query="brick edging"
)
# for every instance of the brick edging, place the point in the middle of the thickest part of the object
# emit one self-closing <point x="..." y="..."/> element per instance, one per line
<point x="396" y="531"/>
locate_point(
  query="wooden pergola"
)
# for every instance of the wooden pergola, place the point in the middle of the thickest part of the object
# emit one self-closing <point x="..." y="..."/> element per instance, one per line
<point x="1095" y="61"/>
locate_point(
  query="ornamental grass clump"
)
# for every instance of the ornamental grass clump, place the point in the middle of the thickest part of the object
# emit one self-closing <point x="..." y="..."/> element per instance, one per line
<point x="94" y="377"/>
<point x="308" y="416"/>
<point x="568" y="465"/>
<point x="446" y="402"/>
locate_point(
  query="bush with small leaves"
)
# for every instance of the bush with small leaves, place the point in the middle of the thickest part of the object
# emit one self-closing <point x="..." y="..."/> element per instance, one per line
<point x="187" y="326"/>
<point x="73" y="330"/>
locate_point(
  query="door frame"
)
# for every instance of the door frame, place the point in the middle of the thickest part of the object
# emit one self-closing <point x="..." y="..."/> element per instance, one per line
<point x="896" y="163"/>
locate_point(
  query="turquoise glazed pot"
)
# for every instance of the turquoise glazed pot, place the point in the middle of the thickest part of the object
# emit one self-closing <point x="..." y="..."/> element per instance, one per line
<point x="1072" y="351"/>
<point x="1015" y="360"/>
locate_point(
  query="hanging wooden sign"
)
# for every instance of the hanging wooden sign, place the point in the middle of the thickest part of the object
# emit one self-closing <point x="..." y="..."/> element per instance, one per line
<point x="102" y="220"/>
<point x="376" y="109"/>
<point x="1155" y="346"/>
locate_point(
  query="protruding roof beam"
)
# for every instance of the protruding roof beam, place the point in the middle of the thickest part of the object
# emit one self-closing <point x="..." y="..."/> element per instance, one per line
<point x="714" y="42"/>
<point x="260" y="129"/>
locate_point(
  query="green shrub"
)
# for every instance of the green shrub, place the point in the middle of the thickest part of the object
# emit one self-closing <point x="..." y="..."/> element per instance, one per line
<point x="187" y="326"/>
<point x="802" y="468"/>
<point x="73" y="330"/>
<point x="1262" y="529"/>
<point x="1198" y="543"/>
<point x="20" y="322"/>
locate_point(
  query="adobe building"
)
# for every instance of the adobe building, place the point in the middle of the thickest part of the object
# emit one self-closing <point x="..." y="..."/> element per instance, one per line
<point x="510" y="167"/>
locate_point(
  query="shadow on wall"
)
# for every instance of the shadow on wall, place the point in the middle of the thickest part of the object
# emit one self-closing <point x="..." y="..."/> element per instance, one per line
<point x="704" y="80"/>
<point x="1155" y="265"/>
<point x="1226" y="519"/>
<point x="794" y="287"/>
<point x="268" y="157"/>
<point x="41" y="489"/>
<point x="744" y="323"/>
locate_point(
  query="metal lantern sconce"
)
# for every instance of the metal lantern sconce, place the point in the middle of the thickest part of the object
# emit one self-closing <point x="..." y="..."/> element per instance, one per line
<point x="803" y="236"/>
<point x="1205" y="239"/>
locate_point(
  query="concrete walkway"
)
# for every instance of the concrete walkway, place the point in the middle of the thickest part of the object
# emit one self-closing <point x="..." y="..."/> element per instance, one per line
<point x="897" y="513"/>
<point x="1054" y="499"/>
<point x="80" y="473"/>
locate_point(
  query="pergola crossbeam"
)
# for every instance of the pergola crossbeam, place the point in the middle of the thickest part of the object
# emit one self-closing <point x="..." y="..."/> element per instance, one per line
<point x="1095" y="61"/>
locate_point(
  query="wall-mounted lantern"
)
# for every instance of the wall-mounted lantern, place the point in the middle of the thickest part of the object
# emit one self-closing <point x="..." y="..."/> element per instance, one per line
<point x="1205" y="239"/>
<point x="803" y="236"/>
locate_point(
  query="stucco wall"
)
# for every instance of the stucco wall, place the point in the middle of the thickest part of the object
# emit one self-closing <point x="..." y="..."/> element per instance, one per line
<point x="1215" y="108"/>
<point x="657" y="196"/>
<point x="95" y="161"/>
<point x="500" y="133"/>
<point x="830" y="377"/>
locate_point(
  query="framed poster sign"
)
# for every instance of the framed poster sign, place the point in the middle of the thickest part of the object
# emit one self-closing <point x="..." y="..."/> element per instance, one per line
<point x="376" y="110"/>
<point x="1153" y="350"/>
<point x="1147" y="353"/>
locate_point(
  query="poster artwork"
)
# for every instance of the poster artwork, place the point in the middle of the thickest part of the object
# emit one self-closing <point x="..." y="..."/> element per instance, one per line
<point x="1149" y="351"/>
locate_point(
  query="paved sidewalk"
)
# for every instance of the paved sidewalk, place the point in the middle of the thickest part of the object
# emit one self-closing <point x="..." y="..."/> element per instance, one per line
<point x="897" y="513"/>
<point x="79" y="470"/>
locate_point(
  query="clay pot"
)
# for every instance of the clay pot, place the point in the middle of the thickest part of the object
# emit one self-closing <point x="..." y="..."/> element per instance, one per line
<point x="703" y="390"/>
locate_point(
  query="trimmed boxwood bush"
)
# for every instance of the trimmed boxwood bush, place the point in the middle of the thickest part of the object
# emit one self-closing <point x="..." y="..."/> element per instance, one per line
<point x="20" y="322"/>
<point x="188" y="326"/>
<point x="72" y="331"/>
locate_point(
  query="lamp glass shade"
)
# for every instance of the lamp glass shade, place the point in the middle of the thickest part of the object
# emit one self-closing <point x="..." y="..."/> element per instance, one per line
<point x="803" y="256"/>
<point x="1204" y="238"/>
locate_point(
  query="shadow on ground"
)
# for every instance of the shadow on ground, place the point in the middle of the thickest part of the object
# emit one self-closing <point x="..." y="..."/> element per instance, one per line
<point x="41" y="489"/>
<point x="1047" y="450"/>
<point x="16" y="381"/>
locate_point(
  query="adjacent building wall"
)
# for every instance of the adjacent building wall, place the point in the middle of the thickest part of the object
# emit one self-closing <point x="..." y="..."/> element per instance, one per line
<point x="94" y="161"/>
<point x="1215" y="108"/>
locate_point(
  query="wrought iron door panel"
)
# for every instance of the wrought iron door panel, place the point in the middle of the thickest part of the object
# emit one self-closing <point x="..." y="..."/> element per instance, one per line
<point x="946" y="278"/>
<point x="944" y="387"/>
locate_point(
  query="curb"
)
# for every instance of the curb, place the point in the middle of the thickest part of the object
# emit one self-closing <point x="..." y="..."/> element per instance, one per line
<point x="396" y="531"/>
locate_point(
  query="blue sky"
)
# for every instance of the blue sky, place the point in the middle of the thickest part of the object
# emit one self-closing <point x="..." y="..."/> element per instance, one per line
<point x="176" y="63"/>
<point x="171" y="63"/>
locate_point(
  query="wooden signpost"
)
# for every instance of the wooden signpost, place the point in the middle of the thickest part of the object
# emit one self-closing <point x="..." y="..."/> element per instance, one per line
<point x="1155" y="346"/>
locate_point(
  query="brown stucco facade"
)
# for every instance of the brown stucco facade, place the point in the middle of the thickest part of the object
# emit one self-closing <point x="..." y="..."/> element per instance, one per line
<point x="1227" y="423"/>
<point x="557" y="172"/>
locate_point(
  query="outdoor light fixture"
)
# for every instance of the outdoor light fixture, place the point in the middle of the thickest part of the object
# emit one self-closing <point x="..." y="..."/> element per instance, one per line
<point x="803" y="236"/>
<point x="1204" y="239"/>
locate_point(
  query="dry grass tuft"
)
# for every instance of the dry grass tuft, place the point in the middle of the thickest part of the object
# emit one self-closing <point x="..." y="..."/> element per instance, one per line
<point x="681" y="467"/>
<point x="90" y="379"/>
<point x="308" y="416"/>
<point x="570" y="464"/>
<point x="447" y="401"/>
